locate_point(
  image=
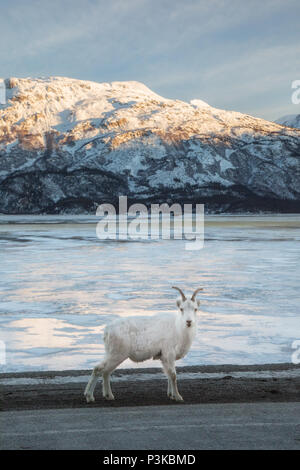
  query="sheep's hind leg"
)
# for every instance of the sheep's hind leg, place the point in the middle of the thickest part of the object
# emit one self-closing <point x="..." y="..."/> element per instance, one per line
<point x="89" y="389"/>
<point x="169" y="392"/>
<point x="110" y="366"/>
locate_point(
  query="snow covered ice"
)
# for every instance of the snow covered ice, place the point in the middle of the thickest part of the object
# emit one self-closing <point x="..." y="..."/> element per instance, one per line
<point x="60" y="285"/>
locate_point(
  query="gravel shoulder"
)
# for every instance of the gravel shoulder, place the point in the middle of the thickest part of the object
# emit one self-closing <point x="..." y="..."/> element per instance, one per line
<point x="146" y="387"/>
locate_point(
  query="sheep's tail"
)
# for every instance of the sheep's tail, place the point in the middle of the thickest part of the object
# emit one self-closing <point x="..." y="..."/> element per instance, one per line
<point x="106" y="336"/>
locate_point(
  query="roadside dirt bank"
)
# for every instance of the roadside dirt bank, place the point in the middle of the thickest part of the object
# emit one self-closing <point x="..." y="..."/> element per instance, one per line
<point x="140" y="387"/>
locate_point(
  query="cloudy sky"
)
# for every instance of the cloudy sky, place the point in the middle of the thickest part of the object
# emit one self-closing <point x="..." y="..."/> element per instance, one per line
<point x="231" y="53"/>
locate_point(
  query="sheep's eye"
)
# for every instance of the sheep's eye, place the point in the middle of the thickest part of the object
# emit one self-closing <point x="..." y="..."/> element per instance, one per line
<point x="181" y="310"/>
<point x="196" y="309"/>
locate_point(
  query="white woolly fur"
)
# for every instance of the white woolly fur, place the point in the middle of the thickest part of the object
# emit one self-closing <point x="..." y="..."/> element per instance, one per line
<point x="167" y="337"/>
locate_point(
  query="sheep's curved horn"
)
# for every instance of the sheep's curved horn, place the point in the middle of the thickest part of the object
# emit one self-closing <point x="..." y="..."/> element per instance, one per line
<point x="195" y="293"/>
<point x="182" y="294"/>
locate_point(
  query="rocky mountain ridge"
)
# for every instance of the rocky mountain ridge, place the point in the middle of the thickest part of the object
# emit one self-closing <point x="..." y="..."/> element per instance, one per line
<point x="68" y="145"/>
<point x="290" y="120"/>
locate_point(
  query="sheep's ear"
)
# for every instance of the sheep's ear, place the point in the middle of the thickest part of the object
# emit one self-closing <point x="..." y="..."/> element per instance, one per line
<point x="198" y="303"/>
<point x="178" y="303"/>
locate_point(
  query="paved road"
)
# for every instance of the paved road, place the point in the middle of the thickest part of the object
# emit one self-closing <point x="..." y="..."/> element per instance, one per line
<point x="200" y="426"/>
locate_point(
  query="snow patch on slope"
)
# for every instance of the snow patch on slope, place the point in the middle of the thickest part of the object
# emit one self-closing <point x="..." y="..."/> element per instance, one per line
<point x="199" y="104"/>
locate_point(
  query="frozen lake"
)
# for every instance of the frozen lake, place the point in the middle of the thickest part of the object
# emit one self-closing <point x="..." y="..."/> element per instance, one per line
<point x="59" y="286"/>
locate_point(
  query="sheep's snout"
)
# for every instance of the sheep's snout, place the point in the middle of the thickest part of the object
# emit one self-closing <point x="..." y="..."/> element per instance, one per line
<point x="189" y="323"/>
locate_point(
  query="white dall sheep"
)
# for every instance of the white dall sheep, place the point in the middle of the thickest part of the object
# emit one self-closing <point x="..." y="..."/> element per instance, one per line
<point x="167" y="337"/>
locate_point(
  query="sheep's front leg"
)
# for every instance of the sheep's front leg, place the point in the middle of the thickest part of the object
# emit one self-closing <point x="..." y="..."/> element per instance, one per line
<point x="175" y="395"/>
<point x="170" y="371"/>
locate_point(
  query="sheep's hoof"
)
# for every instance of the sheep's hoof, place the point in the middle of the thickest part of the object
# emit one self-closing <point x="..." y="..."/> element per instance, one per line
<point x="109" y="397"/>
<point x="177" y="398"/>
<point x="89" y="397"/>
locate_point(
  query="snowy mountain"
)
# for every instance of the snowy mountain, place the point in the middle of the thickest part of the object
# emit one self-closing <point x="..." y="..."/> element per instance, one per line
<point x="291" y="120"/>
<point x="68" y="145"/>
